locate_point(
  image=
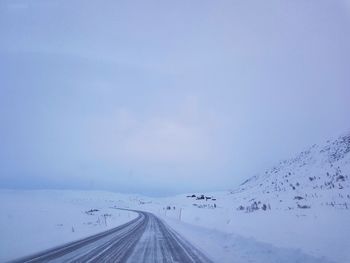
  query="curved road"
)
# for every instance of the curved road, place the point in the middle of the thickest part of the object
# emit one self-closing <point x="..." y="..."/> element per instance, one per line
<point x="144" y="239"/>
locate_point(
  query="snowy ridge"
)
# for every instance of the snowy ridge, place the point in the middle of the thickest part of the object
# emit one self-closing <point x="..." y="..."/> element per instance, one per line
<point x="316" y="177"/>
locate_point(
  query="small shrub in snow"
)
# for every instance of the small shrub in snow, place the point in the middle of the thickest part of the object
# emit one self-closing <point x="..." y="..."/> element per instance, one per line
<point x="240" y="208"/>
<point x="340" y="178"/>
<point x="304" y="206"/>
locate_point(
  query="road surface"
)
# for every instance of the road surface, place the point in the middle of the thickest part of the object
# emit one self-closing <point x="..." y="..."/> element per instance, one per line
<point x="145" y="239"/>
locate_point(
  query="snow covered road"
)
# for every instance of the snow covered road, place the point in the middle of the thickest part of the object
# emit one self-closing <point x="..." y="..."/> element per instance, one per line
<point x="144" y="239"/>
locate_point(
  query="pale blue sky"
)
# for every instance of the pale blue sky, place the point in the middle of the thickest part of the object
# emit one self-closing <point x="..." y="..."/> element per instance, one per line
<point x="161" y="97"/>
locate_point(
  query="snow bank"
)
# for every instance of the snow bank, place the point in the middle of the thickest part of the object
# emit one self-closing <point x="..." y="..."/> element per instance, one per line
<point x="224" y="234"/>
<point x="228" y="247"/>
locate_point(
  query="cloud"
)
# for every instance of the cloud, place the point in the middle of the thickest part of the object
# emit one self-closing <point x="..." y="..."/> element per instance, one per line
<point x="182" y="137"/>
<point x="167" y="141"/>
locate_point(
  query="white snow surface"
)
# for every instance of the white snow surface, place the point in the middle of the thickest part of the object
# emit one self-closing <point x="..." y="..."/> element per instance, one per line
<point x="297" y="211"/>
<point x="31" y="221"/>
<point x="273" y="236"/>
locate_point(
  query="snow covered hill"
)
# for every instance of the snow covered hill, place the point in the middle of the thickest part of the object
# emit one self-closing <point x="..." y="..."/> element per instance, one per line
<point x="319" y="176"/>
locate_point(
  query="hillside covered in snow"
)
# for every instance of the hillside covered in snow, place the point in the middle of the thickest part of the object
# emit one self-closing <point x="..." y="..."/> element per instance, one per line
<point x="317" y="177"/>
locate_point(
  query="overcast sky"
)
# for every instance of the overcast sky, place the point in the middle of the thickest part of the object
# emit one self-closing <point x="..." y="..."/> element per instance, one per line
<point x="163" y="97"/>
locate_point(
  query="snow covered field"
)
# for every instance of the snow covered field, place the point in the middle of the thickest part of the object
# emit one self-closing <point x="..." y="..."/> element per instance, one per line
<point x="264" y="236"/>
<point x="31" y="221"/>
<point x="34" y="220"/>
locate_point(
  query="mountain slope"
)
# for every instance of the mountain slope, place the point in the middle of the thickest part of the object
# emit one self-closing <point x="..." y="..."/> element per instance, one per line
<point x="314" y="178"/>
